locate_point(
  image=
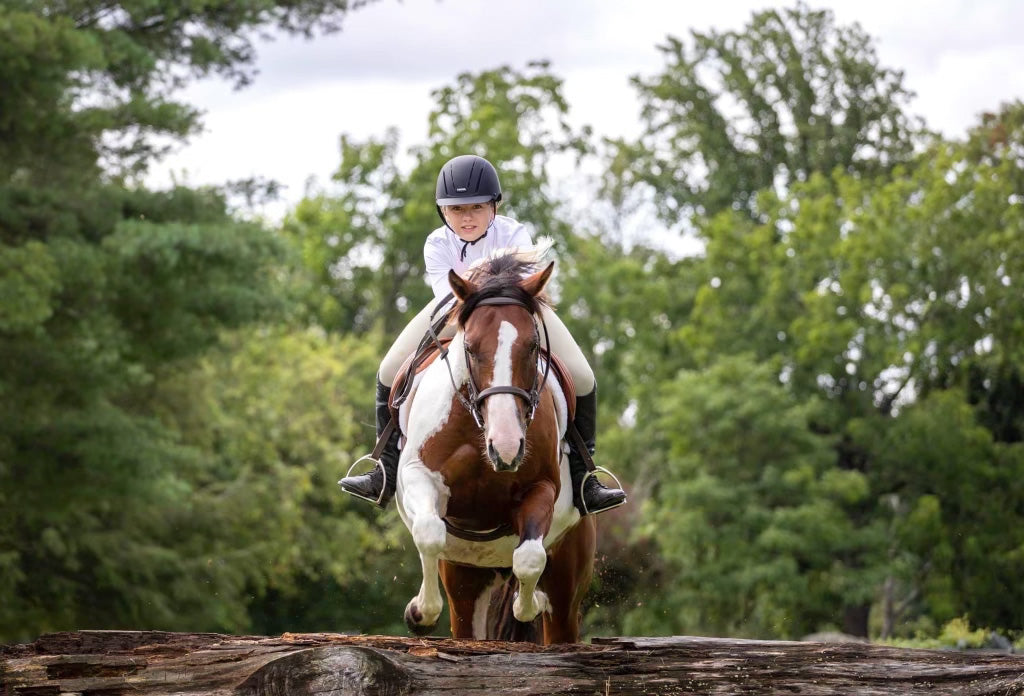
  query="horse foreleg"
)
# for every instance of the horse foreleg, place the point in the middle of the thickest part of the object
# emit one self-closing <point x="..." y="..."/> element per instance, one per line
<point x="423" y="494"/>
<point x="530" y="557"/>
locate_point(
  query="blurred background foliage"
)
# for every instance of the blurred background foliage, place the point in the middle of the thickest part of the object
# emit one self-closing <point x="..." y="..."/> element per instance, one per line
<point x="819" y="412"/>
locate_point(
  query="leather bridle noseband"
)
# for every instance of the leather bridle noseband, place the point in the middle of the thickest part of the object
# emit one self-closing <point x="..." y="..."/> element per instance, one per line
<point x="474" y="402"/>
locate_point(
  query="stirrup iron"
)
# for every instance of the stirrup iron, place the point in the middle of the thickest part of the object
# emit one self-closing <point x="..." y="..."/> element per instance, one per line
<point x="379" y="465"/>
<point x="583" y="500"/>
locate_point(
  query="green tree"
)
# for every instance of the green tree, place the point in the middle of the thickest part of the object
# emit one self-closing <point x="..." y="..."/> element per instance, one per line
<point x="106" y="292"/>
<point x="872" y="296"/>
<point x="90" y="84"/>
<point x="277" y="416"/>
<point x="749" y="514"/>
<point x="94" y="484"/>
<point x="737" y="112"/>
<point x="952" y="495"/>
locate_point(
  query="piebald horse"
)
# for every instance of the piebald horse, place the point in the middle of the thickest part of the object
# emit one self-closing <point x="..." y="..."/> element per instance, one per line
<point x="483" y="479"/>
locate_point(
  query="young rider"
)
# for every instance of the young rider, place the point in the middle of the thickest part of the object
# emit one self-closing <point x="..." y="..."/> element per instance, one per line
<point x="467" y="196"/>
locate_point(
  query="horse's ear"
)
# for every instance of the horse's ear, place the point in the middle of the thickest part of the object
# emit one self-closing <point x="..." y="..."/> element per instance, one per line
<point x="460" y="286"/>
<point x="535" y="283"/>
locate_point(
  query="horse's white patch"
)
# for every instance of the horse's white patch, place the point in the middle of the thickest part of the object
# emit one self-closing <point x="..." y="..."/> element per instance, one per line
<point x="502" y="419"/>
<point x="423" y="415"/>
<point x="428" y="408"/>
<point x="528" y="563"/>
<point x="526" y="607"/>
<point x="529" y="560"/>
<point x="483" y="603"/>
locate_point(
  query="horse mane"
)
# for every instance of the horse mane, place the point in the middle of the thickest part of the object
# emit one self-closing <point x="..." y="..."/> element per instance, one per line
<point x="499" y="276"/>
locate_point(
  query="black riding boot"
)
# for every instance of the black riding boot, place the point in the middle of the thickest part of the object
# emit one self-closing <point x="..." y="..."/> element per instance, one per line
<point x="378" y="486"/>
<point x="595" y="497"/>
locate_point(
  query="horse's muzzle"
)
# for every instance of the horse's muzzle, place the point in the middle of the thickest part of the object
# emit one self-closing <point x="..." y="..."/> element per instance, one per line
<point x="499" y="464"/>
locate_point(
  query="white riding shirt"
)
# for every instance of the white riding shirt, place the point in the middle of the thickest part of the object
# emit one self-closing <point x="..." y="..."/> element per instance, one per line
<point x="444" y="250"/>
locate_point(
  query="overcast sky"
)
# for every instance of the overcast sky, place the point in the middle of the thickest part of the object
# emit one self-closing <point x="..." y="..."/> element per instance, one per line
<point x="960" y="57"/>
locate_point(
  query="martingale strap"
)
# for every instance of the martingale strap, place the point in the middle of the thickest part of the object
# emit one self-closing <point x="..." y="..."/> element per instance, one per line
<point x="470" y="535"/>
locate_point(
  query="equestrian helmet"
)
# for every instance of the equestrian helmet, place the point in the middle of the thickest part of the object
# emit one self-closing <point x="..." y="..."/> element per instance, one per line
<point x="467" y="179"/>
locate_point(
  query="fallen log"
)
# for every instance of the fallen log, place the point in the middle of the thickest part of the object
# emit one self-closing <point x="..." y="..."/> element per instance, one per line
<point x="118" y="663"/>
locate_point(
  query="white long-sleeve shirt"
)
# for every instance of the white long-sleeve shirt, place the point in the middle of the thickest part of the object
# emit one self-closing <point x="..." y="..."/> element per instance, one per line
<point x="444" y="251"/>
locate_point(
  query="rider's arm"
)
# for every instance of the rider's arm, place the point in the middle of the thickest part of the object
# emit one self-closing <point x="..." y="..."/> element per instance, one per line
<point x="438" y="260"/>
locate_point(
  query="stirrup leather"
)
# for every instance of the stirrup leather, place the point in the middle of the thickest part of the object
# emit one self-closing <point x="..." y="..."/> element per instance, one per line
<point x="377" y="464"/>
<point x="583" y="500"/>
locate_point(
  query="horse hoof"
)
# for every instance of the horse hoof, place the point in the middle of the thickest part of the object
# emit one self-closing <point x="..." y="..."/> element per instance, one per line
<point x="413" y="619"/>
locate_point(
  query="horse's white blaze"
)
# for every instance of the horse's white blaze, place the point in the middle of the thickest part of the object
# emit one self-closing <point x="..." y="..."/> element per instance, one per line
<point x="483" y="603"/>
<point x="502" y="419"/>
<point x="528" y="563"/>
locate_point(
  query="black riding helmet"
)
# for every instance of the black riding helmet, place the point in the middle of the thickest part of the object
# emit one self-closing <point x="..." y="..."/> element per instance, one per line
<point x="467" y="179"/>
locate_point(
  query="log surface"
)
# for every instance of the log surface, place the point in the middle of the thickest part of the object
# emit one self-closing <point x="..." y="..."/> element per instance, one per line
<point x="118" y="663"/>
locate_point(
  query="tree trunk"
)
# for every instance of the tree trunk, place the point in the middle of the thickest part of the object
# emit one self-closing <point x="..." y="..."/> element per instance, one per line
<point x="119" y="663"/>
<point x="855" y="620"/>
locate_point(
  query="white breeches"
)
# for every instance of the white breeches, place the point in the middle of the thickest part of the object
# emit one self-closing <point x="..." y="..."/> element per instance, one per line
<point x="562" y="344"/>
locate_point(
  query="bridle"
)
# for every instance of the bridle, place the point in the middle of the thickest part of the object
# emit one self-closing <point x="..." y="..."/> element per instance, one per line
<point x="474" y="402"/>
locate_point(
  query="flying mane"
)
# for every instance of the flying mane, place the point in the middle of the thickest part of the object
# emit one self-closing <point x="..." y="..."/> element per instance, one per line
<point x="499" y="276"/>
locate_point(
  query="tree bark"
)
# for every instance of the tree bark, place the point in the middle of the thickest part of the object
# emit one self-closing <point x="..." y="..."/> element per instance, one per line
<point x="118" y="663"/>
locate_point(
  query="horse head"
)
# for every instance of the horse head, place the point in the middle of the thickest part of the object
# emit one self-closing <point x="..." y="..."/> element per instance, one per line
<point x="497" y="315"/>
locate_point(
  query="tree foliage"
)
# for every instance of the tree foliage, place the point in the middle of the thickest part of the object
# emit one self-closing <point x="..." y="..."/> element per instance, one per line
<point x="108" y="294"/>
<point x="737" y="112"/>
<point x="884" y="300"/>
<point x="89" y="82"/>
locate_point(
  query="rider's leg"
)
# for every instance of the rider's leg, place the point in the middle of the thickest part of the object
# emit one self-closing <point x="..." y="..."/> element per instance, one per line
<point x="594" y="496"/>
<point x="378" y="486"/>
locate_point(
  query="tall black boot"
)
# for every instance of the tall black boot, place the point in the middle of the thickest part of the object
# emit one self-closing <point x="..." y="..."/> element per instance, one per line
<point x="378" y="486"/>
<point x="594" y="497"/>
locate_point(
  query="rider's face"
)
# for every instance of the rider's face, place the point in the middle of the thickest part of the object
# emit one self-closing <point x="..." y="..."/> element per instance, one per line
<point x="469" y="221"/>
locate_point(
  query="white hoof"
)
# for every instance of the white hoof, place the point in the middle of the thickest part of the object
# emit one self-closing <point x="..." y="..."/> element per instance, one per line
<point x="528" y="611"/>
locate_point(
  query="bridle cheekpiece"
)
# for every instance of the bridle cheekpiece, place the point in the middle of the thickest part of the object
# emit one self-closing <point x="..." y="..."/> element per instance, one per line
<point x="474" y="402"/>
